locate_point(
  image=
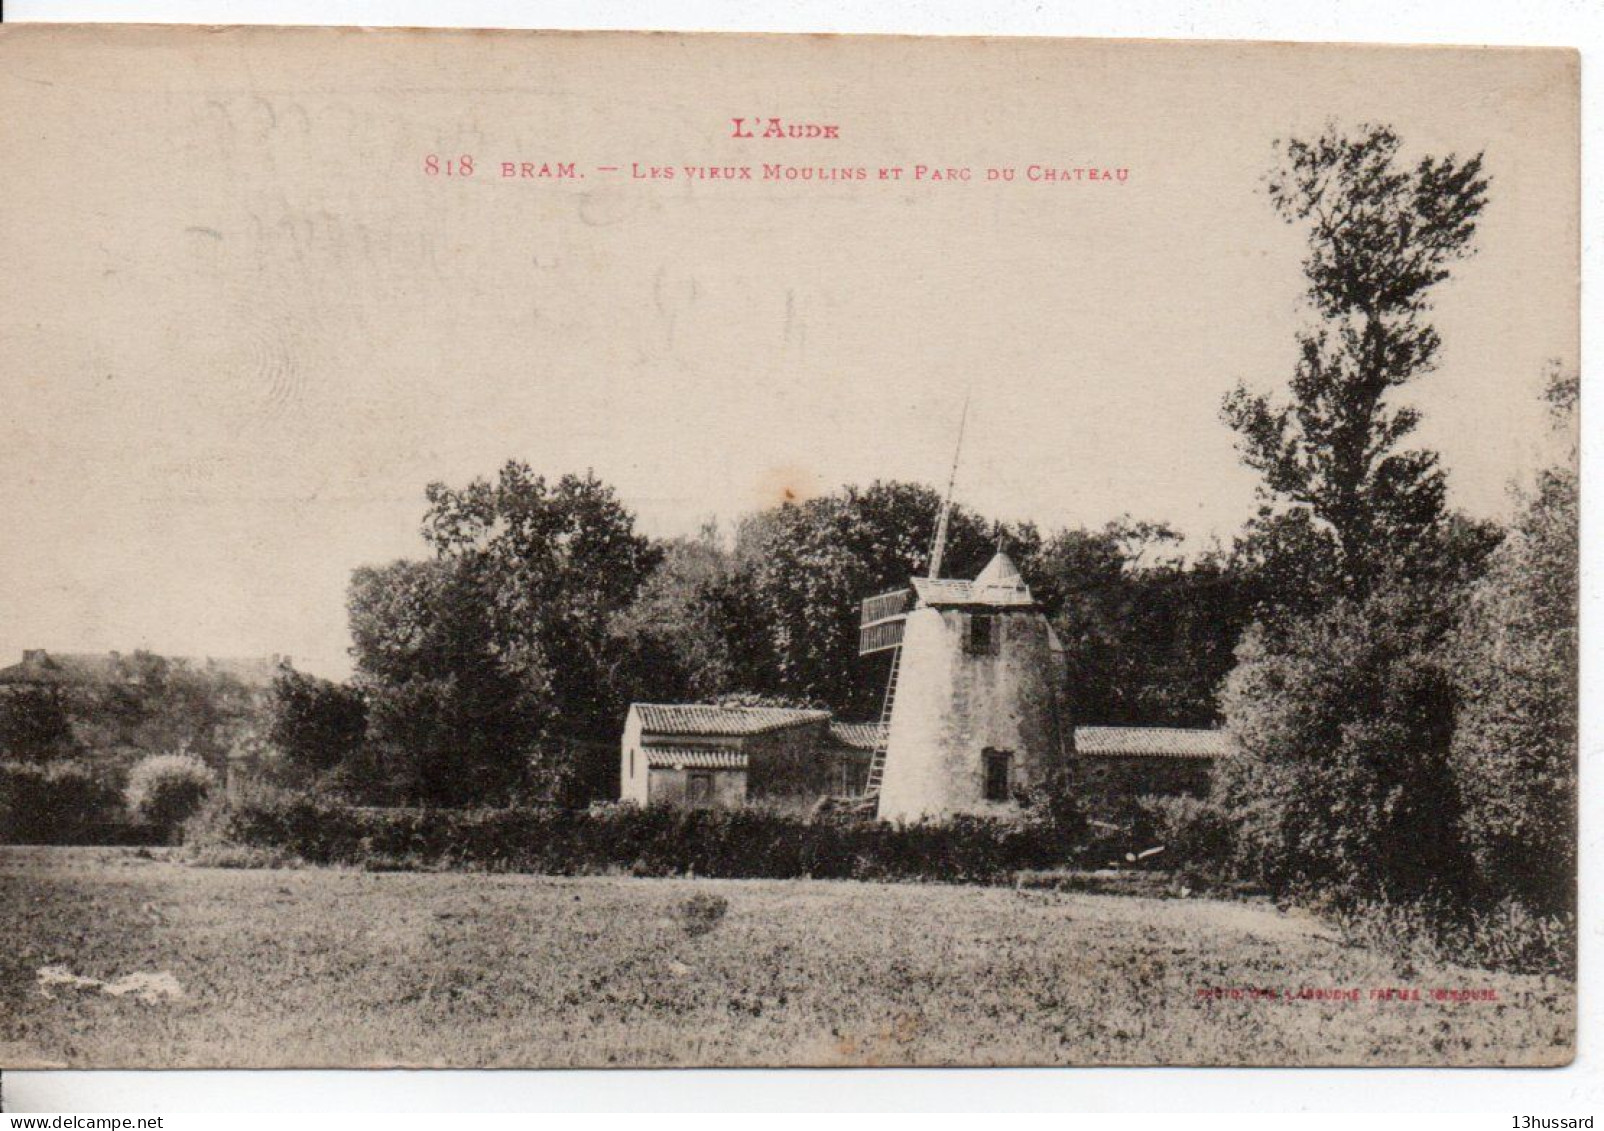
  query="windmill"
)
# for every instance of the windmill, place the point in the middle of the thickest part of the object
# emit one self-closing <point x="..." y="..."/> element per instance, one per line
<point x="972" y="709"/>
<point x="882" y="619"/>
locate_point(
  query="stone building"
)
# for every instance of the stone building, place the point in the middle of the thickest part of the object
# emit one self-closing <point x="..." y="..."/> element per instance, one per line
<point x="1148" y="760"/>
<point x="709" y="756"/>
<point x="975" y="713"/>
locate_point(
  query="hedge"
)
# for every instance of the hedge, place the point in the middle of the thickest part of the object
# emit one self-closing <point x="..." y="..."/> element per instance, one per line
<point x="740" y="843"/>
<point x="64" y="803"/>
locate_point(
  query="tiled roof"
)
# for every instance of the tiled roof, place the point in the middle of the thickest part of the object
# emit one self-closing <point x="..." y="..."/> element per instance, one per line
<point x="683" y="758"/>
<point x="705" y="718"/>
<point x="1150" y="742"/>
<point x="860" y="736"/>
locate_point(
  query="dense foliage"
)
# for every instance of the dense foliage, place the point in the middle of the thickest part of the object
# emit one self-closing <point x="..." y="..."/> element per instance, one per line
<point x="1404" y="708"/>
<point x="656" y="841"/>
<point x="60" y="803"/>
<point x="315" y="723"/>
<point x="1341" y="781"/>
<point x="1148" y="636"/>
<point x="165" y="790"/>
<point x="34" y="725"/>
<point x="471" y="663"/>
<point x="148" y="704"/>
<point x="1515" y="661"/>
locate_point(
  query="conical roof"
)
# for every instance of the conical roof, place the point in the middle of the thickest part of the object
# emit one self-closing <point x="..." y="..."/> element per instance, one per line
<point x="1001" y="570"/>
<point x="1001" y="584"/>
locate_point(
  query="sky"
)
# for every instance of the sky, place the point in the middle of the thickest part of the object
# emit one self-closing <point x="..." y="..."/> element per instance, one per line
<point x="241" y="327"/>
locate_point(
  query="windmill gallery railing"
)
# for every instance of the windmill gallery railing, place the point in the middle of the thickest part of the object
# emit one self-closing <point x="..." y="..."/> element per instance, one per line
<point x="880" y="625"/>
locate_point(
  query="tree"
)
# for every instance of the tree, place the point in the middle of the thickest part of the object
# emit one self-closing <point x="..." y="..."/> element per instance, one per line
<point x="1148" y="637"/>
<point x="480" y="662"/>
<point x="444" y="741"/>
<point x="1381" y="236"/>
<point x="152" y="703"/>
<point x="554" y="564"/>
<point x="1340" y="781"/>
<point x="810" y="565"/>
<point x="450" y="721"/>
<point x="676" y="640"/>
<point x="317" y="724"/>
<point x="34" y="726"/>
<point x="1515" y="661"/>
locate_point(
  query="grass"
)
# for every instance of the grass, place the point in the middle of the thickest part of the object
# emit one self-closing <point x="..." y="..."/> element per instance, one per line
<point x="324" y="967"/>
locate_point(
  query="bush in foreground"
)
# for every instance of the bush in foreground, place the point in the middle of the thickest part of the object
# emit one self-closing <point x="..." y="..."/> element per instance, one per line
<point x="59" y="803"/>
<point x="1198" y="838"/>
<point x="164" y="790"/>
<point x="1342" y="781"/>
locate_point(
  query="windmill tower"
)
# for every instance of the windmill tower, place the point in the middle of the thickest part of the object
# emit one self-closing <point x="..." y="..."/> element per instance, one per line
<point x="972" y="709"/>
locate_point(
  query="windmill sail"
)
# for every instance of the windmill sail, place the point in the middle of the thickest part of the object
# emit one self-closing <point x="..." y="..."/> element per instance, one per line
<point x="880" y="624"/>
<point x="940" y="546"/>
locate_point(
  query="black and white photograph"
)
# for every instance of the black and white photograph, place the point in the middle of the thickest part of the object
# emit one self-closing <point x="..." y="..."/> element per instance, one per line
<point x="613" y="550"/>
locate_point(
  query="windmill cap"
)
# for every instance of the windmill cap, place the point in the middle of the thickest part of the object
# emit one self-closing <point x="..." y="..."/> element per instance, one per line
<point x="998" y="586"/>
<point x="1000" y="571"/>
<point x="1000" y="581"/>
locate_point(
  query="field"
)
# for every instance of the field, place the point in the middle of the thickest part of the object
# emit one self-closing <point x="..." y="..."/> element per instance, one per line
<point x="197" y="967"/>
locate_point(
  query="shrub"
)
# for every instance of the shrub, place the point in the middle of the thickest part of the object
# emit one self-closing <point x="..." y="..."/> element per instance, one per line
<point x="60" y="803"/>
<point x="702" y="912"/>
<point x="1197" y="836"/>
<point x="312" y="827"/>
<point x="1056" y="809"/>
<point x="1342" y="780"/>
<point x="652" y="841"/>
<point x="164" y="790"/>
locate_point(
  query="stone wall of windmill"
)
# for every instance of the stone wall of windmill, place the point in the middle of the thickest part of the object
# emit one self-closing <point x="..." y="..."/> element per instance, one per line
<point x="978" y="714"/>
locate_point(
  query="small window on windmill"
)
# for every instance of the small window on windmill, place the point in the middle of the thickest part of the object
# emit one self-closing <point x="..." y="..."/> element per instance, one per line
<point x="997" y="762"/>
<point x="981" y="638"/>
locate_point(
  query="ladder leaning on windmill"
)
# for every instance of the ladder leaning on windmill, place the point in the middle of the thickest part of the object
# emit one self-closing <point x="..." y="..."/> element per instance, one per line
<point x="882" y="734"/>
<point x="880" y="630"/>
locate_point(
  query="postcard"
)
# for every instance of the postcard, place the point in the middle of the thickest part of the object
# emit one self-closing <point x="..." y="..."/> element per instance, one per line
<point x="647" y="549"/>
